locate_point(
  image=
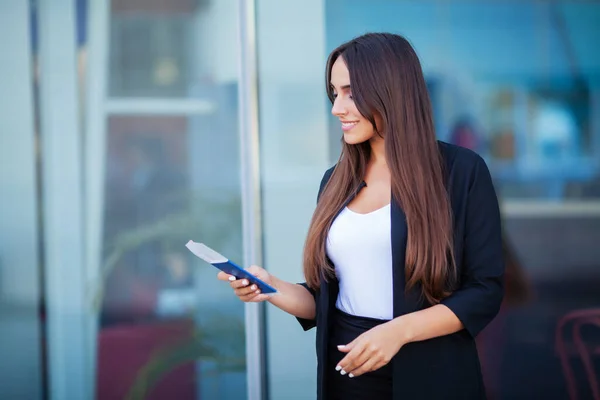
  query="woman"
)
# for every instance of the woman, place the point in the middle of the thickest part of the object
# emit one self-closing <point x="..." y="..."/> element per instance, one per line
<point x="403" y="257"/>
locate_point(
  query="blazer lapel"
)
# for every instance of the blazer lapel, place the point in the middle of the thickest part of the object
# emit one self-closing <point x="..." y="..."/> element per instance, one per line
<point x="399" y="237"/>
<point x="404" y="302"/>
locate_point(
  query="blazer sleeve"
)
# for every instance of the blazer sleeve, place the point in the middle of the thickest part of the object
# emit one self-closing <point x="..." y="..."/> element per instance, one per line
<point x="477" y="300"/>
<point x="308" y="324"/>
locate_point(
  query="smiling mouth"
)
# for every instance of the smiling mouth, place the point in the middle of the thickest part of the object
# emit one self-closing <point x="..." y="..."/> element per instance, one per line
<point x="346" y="126"/>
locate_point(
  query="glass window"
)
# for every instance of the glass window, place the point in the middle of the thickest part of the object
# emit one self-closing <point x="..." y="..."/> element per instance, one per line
<point x="294" y="153"/>
<point x="517" y="84"/>
<point x="167" y="328"/>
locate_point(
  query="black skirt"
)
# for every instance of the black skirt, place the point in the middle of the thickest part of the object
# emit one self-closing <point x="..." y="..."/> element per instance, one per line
<point x="372" y="385"/>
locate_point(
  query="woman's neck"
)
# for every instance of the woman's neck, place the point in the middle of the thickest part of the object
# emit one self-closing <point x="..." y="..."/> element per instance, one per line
<point x="377" y="151"/>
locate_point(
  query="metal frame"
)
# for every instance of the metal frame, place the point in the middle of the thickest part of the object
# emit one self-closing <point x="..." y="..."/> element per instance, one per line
<point x="63" y="229"/>
<point x="154" y="106"/>
<point x="72" y="328"/>
<point x="21" y="368"/>
<point x="94" y="164"/>
<point x="251" y="199"/>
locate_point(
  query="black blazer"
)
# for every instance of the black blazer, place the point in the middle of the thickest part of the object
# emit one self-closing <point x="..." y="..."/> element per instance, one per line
<point x="446" y="367"/>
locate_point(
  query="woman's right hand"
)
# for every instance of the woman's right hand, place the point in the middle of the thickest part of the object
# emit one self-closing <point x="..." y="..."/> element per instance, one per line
<point x="243" y="289"/>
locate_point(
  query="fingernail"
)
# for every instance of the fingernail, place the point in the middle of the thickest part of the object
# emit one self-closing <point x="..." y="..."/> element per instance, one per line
<point x="338" y="368"/>
<point x="343" y="372"/>
<point x="341" y="346"/>
<point x="258" y="292"/>
<point x="232" y="278"/>
<point x="253" y="287"/>
<point x="245" y="282"/>
<point x="350" y="375"/>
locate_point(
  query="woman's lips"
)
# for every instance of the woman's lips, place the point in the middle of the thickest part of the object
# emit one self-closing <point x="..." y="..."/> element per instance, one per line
<point x="348" y="125"/>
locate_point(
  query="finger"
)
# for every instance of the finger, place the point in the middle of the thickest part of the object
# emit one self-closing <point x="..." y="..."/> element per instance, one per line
<point x="367" y="366"/>
<point x="349" y="362"/>
<point x="246" y="290"/>
<point x="253" y="269"/>
<point x="222" y="276"/>
<point x="239" y="283"/>
<point x="382" y="363"/>
<point x="252" y="296"/>
<point x="349" y="346"/>
<point x="344" y="348"/>
<point x="357" y="360"/>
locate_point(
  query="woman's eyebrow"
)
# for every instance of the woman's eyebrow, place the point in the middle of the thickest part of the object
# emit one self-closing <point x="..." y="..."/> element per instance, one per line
<point x="345" y="87"/>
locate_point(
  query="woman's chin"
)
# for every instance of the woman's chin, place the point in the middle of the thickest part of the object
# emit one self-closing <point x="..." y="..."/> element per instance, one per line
<point x="349" y="138"/>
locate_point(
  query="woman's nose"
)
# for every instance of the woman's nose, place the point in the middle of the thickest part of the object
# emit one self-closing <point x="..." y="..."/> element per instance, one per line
<point x="338" y="109"/>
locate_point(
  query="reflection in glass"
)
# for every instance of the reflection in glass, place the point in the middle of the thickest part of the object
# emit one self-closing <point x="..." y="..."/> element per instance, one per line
<point x="167" y="328"/>
<point x="156" y="306"/>
<point x="520" y="86"/>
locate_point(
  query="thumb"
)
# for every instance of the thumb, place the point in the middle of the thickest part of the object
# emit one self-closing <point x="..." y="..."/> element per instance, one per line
<point x="253" y="269"/>
<point x="345" y="348"/>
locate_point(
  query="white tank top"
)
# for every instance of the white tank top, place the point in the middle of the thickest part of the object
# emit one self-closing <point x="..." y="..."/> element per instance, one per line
<point x="360" y="247"/>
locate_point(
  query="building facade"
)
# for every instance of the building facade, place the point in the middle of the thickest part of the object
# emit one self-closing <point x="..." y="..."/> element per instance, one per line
<point x="129" y="127"/>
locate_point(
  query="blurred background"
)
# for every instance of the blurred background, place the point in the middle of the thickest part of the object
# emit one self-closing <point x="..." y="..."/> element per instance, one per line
<point x="126" y="129"/>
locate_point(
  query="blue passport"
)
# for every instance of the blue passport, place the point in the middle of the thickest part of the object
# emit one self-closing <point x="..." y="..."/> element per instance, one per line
<point x="224" y="264"/>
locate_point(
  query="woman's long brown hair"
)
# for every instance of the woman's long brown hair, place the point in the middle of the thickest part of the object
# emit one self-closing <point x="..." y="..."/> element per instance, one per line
<point x="387" y="80"/>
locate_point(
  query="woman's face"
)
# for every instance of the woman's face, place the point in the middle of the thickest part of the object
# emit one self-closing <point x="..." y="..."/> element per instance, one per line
<point x="357" y="129"/>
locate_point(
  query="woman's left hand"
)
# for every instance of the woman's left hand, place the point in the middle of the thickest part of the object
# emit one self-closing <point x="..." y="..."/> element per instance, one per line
<point x="371" y="350"/>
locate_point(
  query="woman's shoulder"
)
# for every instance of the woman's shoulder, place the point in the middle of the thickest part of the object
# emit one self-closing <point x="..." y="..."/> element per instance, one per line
<point x="324" y="180"/>
<point x="465" y="170"/>
<point x="326" y="177"/>
<point x="459" y="157"/>
<point x="328" y="173"/>
<point x="460" y="161"/>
